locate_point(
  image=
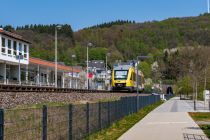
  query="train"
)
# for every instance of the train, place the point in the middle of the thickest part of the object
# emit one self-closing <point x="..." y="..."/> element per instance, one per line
<point x="124" y="77"/>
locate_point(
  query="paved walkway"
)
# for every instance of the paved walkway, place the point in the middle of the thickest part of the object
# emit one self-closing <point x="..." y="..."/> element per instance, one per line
<point x="170" y="121"/>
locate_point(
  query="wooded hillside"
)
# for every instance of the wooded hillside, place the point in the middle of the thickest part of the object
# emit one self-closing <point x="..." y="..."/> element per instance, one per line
<point x="124" y="39"/>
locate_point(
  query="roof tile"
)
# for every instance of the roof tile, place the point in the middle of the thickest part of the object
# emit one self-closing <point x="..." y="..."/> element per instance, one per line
<point x="38" y="61"/>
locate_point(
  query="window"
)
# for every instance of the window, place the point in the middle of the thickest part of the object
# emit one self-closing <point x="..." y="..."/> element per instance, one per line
<point x="20" y="49"/>
<point x="120" y="74"/>
<point x="9" y="47"/>
<point x="25" y="55"/>
<point x="14" y="48"/>
<point x="3" y="42"/>
<point x="3" y="50"/>
<point x="25" y="51"/>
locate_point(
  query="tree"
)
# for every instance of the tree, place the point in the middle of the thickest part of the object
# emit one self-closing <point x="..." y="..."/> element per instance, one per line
<point x="145" y="68"/>
<point x="185" y="85"/>
<point x="9" y="28"/>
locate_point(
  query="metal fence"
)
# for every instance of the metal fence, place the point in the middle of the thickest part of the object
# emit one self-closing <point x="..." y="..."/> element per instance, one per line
<point x="70" y="122"/>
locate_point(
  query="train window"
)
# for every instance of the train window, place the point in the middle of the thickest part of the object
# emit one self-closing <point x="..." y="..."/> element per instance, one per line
<point x="120" y="74"/>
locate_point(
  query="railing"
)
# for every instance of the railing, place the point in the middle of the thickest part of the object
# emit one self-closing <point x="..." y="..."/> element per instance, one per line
<point x="77" y="84"/>
<point x="70" y="122"/>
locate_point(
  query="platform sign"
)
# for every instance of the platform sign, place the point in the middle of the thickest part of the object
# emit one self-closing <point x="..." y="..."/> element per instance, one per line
<point x="206" y="94"/>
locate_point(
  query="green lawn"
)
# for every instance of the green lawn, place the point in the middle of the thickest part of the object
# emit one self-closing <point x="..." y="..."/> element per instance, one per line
<point x="121" y="126"/>
<point x="202" y="116"/>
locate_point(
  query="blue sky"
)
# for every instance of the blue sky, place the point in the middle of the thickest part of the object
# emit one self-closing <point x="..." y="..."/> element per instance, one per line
<point x="84" y="13"/>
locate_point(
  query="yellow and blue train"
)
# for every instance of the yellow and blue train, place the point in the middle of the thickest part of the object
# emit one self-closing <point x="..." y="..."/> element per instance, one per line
<point x="124" y="77"/>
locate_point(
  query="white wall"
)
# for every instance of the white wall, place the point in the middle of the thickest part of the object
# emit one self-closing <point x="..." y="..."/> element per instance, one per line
<point x="6" y="57"/>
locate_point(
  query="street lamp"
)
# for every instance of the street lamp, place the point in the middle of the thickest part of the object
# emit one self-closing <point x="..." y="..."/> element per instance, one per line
<point x="88" y="45"/>
<point x="107" y="55"/>
<point x="72" y="73"/>
<point x="56" y="55"/>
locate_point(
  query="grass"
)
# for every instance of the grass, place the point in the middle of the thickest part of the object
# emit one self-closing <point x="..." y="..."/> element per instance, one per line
<point x="40" y="105"/>
<point x="121" y="126"/>
<point x="53" y="104"/>
<point x="202" y="116"/>
<point x="24" y="122"/>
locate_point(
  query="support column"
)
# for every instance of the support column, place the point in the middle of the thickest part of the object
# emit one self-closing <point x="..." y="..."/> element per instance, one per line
<point x="76" y="83"/>
<point x="63" y="80"/>
<point x="5" y="73"/>
<point x="27" y="74"/>
<point x="38" y="76"/>
<point x="71" y="82"/>
<point x="47" y="77"/>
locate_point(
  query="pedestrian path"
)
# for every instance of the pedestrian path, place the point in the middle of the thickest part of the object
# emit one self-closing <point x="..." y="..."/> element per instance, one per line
<point x="170" y="121"/>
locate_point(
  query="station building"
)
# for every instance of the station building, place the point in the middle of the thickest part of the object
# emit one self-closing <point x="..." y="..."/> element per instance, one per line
<point x="17" y="67"/>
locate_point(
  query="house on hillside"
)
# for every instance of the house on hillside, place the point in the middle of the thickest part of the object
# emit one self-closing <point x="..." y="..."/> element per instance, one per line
<point x="98" y="69"/>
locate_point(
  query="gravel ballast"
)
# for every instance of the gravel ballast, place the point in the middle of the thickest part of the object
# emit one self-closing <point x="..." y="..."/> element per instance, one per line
<point x="13" y="99"/>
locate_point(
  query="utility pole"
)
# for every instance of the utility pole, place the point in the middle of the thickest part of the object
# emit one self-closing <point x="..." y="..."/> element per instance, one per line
<point x="56" y="69"/>
<point x="72" y="70"/>
<point x="137" y="77"/>
<point x="88" y="45"/>
<point x="56" y="56"/>
<point x="108" y="54"/>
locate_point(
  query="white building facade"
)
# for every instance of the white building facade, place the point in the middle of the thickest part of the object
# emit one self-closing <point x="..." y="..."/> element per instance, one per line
<point x="17" y="67"/>
<point x="14" y="51"/>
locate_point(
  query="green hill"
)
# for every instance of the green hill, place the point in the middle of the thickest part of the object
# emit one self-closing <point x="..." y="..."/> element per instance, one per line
<point x="124" y="39"/>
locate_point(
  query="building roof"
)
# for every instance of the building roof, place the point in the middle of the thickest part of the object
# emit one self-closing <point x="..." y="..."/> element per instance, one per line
<point x="13" y="35"/>
<point x="41" y="62"/>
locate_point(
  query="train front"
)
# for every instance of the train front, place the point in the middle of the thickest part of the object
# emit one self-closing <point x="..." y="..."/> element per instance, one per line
<point x="120" y="78"/>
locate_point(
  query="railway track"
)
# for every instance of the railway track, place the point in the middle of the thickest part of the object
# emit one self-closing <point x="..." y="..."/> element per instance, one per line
<point x="25" y="88"/>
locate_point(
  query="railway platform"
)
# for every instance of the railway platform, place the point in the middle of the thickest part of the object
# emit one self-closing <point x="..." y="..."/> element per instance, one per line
<point x="170" y="121"/>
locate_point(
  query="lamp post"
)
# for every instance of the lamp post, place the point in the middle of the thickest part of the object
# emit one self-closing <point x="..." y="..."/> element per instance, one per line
<point x="56" y="55"/>
<point x="88" y="45"/>
<point x="137" y="83"/>
<point x="107" y="55"/>
<point x="72" y="72"/>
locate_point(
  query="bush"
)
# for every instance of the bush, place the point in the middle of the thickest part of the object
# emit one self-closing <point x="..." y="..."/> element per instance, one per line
<point x="148" y="88"/>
